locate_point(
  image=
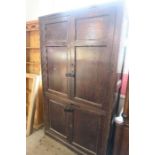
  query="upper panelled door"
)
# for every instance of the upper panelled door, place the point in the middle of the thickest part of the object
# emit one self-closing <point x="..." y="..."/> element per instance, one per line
<point x="55" y="55"/>
<point x="91" y="51"/>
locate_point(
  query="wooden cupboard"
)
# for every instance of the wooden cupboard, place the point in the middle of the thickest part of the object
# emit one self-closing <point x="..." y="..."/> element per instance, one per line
<point x="79" y="54"/>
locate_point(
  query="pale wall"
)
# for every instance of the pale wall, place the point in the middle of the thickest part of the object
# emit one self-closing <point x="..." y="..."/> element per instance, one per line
<point x="36" y="8"/>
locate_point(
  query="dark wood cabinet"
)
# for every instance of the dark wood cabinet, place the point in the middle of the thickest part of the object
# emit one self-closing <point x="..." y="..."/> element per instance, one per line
<point x="79" y="54"/>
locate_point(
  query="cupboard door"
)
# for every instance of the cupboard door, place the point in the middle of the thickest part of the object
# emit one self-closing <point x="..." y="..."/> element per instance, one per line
<point x="86" y="130"/>
<point x="91" y="54"/>
<point x="54" y="37"/>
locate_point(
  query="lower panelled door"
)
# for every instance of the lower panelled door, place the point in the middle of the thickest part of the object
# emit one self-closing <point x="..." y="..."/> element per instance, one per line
<point x="57" y="119"/>
<point x="79" y="127"/>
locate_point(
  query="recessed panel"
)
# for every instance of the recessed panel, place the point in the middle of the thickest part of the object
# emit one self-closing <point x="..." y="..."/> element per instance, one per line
<point x="57" y="118"/>
<point x="91" y="73"/>
<point x="86" y="129"/>
<point x="56" y="31"/>
<point x="94" y="28"/>
<point x="57" y="68"/>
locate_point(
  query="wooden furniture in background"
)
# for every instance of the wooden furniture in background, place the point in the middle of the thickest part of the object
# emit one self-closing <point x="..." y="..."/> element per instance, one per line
<point x="33" y="67"/>
<point x="121" y="135"/>
<point x="80" y="51"/>
<point x="32" y="105"/>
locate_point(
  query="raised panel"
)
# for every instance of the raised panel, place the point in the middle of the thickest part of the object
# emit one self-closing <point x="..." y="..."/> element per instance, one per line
<point x="92" y="65"/>
<point x="57" y="68"/>
<point x="93" y="28"/>
<point x="86" y="130"/>
<point x="57" y="118"/>
<point x="56" y="31"/>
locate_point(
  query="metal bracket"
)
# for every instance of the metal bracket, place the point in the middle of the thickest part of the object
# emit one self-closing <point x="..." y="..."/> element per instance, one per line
<point x="70" y="75"/>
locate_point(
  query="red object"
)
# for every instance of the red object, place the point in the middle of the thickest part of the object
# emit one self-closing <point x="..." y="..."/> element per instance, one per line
<point x="124" y="84"/>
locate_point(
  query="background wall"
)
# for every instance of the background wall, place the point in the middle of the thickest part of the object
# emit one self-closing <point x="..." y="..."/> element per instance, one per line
<point x="32" y="9"/>
<point x="36" y="8"/>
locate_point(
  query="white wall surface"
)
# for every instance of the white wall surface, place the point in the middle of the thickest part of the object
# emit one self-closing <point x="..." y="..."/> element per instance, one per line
<point x="32" y="9"/>
<point x="36" y="8"/>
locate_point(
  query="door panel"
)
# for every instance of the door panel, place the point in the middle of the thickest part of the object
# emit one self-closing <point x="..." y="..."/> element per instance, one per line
<point x="91" y="73"/>
<point x="94" y="28"/>
<point x="86" y="129"/>
<point x="57" y="31"/>
<point x="57" y="68"/>
<point x="58" y="118"/>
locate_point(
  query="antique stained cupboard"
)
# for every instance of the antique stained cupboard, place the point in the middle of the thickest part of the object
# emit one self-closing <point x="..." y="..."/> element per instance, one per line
<point x="80" y="56"/>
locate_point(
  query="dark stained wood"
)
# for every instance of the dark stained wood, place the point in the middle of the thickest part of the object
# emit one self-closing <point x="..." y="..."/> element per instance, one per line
<point x="78" y="105"/>
<point x="57" y="117"/>
<point x="121" y="142"/>
<point x="79" y="63"/>
<point x="57" y="68"/>
<point x="56" y="31"/>
<point x="94" y="28"/>
<point x="92" y="64"/>
<point x="86" y="128"/>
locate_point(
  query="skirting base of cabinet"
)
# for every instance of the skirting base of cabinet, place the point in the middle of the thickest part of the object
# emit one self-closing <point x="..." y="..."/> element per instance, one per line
<point x="79" y="152"/>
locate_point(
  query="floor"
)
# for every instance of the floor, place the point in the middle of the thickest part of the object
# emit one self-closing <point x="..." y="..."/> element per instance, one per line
<point x="40" y="144"/>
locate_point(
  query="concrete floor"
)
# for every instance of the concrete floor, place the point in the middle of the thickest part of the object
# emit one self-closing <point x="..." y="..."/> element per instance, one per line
<point x="40" y="144"/>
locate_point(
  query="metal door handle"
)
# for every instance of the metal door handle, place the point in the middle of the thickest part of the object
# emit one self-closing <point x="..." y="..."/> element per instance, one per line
<point x="70" y="75"/>
<point x="69" y="108"/>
